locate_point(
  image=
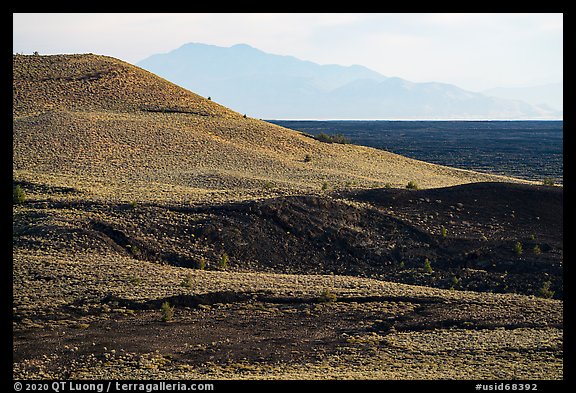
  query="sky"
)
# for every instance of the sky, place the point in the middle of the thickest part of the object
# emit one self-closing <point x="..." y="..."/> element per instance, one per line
<point x="473" y="51"/>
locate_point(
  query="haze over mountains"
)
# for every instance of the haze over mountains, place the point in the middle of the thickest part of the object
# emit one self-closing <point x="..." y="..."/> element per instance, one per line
<point x="272" y="86"/>
<point x="549" y="94"/>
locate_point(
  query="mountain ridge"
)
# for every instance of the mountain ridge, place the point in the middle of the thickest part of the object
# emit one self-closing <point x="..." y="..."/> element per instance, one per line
<point x="278" y="86"/>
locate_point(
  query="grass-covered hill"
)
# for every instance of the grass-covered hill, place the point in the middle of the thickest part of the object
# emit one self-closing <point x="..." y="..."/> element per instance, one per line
<point x="111" y="129"/>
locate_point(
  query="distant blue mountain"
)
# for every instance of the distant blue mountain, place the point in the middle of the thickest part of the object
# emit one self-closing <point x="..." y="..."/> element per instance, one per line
<point x="270" y="86"/>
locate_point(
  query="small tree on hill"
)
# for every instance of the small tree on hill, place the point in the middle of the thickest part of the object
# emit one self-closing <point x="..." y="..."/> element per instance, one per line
<point x="167" y="312"/>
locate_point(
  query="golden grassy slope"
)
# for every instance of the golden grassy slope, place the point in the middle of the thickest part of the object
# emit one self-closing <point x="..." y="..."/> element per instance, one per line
<point x="113" y="130"/>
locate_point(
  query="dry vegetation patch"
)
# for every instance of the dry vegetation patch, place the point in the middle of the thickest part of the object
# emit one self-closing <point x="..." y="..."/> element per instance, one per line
<point x="138" y="193"/>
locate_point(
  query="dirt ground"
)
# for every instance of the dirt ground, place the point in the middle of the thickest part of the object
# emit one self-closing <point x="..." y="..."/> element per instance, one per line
<point x="251" y="338"/>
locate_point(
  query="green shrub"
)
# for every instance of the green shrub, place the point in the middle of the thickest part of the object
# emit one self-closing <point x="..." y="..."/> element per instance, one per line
<point x="201" y="264"/>
<point x="548" y="182"/>
<point x="18" y="195"/>
<point x="338" y="138"/>
<point x="223" y="261"/>
<point x="412" y="185"/>
<point x="325" y="186"/>
<point x="188" y="281"/>
<point x="268" y="185"/>
<point x="455" y="282"/>
<point x="167" y="312"/>
<point x="537" y="250"/>
<point x="134" y="250"/>
<point x="327" y="296"/>
<point x="518" y="248"/>
<point x="427" y="266"/>
<point x="545" y="291"/>
<point x="443" y="232"/>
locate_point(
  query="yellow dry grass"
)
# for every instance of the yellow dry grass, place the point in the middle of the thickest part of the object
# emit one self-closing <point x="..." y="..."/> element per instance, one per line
<point x="115" y="131"/>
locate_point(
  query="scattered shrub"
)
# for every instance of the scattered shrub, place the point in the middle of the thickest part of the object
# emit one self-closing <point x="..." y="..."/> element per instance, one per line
<point x="325" y="186"/>
<point x="167" y="312"/>
<point x="18" y="195"/>
<point x="133" y="204"/>
<point x="427" y="266"/>
<point x="268" y="185"/>
<point x="545" y="291"/>
<point x="518" y="248"/>
<point x="223" y="261"/>
<point x="201" y="264"/>
<point x="443" y="232"/>
<point x="188" y="281"/>
<point x="307" y="158"/>
<point x="455" y="282"/>
<point x="133" y="249"/>
<point x="537" y="250"/>
<point x="338" y="138"/>
<point x="548" y="182"/>
<point x="387" y="185"/>
<point x="412" y="185"/>
<point x="327" y="296"/>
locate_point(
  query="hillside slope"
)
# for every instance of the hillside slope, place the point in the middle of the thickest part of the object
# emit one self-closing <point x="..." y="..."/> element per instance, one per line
<point x="109" y="129"/>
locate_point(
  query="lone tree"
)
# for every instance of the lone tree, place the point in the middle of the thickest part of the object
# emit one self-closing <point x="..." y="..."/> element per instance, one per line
<point x="167" y="312"/>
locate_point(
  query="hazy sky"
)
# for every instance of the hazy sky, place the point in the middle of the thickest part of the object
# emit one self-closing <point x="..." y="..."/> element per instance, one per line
<point x="473" y="51"/>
